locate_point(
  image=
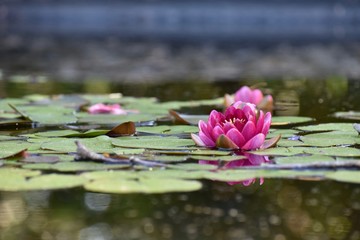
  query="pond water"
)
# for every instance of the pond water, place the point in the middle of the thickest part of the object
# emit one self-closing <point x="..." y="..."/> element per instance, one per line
<point x="278" y="209"/>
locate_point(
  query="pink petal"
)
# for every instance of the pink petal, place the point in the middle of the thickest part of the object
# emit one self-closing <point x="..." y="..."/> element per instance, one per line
<point x="206" y="140"/>
<point x="197" y="140"/>
<point x="260" y="122"/>
<point x="249" y="130"/>
<point x="216" y="132"/>
<point x="215" y="117"/>
<point x="257" y="96"/>
<point x="267" y="123"/>
<point x="254" y="142"/>
<point x="236" y="137"/>
<point x="203" y="127"/>
<point x="102" y="108"/>
<point x="227" y="126"/>
<point x="243" y="94"/>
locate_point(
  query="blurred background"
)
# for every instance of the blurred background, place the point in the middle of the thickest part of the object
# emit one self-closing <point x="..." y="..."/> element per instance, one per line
<point x="158" y="40"/>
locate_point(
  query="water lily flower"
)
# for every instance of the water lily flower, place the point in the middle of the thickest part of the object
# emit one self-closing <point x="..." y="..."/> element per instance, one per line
<point x="101" y="108"/>
<point x="250" y="160"/>
<point x="254" y="96"/>
<point x="240" y="127"/>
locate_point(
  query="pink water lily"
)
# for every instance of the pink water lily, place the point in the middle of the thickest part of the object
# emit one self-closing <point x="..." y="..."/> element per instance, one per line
<point x="101" y="108"/>
<point x="240" y="127"/>
<point x="254" y="96"/>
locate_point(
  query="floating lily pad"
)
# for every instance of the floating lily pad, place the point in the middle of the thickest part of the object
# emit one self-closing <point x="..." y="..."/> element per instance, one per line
<point x="153" y="142"/>
<point x="73" y="166"/>
<point x="42" y="182"/>
<point x="52" y="115"/>
<point x="119" y="174"/>
<point x="303" y="159"/>
<point x="334" y="151"/>
<point x="279" y="151"/>
<point x="11" y="148"/>
<point x="344" y="176"/>
<point x="290" y="143"/>
<point x="331" y="139"/>
<point x="72" y="133"/>
<point x="193" y="166"/>
<point x="343" y="127"/>
<point x="285" y="133"/>
<point x="100" y="144"/>
<point x="143" y="185"/>
<point x="127" y="151"/>
<point x="282" y="120"/>
<point x="113" y="119"/>
<point x="217" y="158"/>
<point x="168" y="129"/>
<point x="353" y="115"/>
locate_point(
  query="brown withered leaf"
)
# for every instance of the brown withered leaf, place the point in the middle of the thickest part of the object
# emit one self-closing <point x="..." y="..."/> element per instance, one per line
<point x="177" y="118"/>
<point x="271" y="142"/>
<point x="124" y="129"/>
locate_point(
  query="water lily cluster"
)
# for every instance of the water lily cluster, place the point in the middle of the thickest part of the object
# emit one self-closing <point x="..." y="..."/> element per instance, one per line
<point x="242" y="126"/>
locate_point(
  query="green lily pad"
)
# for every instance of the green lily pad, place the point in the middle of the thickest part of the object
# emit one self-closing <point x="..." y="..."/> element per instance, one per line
<point x="334" y="151"/>
<point x="287" y="120"/>
<point x="17" y="172"/>
<point x="52" y="115"/>
<point x="101" y="144"/>
<point x="11" y="148"/>
<point x="193" y="166"/>
<point x="73" y="166"/>
<point x="42" y="182"/>
<point x="153" y="142"/>
<point x="119" y="174"/>
<point x="168" y="129"/>
<point x="285" y="133"/>
<point x="344" y="176"/>
<point x="331" y="139"/>
<point x="279" y="151"/>
<point x="142" y="185"/>
<point x="127" y="151"/>
<point x="72" y="133"/>
<point x="343" y="127"/>
<point x="113" y="119"/>
<point x="353" y="115"/>
<point x="303" y="159"/>
<point x="173" y="173"/>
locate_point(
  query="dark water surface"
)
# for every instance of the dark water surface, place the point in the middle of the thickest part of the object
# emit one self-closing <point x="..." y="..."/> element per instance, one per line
<point x="278" y="209"/>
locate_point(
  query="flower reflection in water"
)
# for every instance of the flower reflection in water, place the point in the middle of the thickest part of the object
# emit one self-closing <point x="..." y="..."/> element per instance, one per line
<point x="249" y="160"/>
